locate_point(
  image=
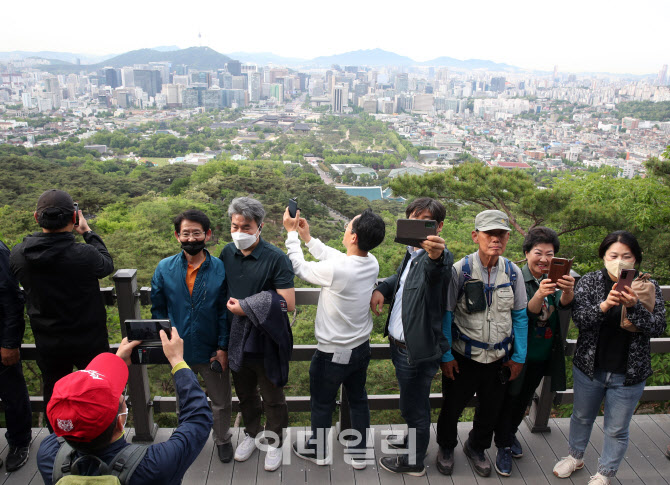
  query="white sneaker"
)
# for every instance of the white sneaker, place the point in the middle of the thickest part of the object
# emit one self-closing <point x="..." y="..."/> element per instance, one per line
<point x="599" y="479"/>
<point x="245" y="448"/>
<point x="273" y="458"/>
<point x="358" y="463"/>
<point x="567" y="465"/>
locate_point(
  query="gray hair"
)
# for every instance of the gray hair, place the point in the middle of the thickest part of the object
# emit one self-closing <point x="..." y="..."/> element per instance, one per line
<point x="249" y="208"/>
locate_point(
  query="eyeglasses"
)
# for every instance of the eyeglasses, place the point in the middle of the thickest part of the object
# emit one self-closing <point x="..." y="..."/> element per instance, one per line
<point x="195" y="234"/>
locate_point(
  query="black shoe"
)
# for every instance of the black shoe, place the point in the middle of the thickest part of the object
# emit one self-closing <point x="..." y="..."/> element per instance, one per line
<point x="479" y="460"/>
<point x="226" y="452"/>
<point x="309" y="453"/>
<point x="396" y="442"/>
<point x="445" y="460"/>
<point x="17" y="457"/>
<point x="667" y="452"/>
<point x="396" y="464"/>
<point x="1" y="462"/>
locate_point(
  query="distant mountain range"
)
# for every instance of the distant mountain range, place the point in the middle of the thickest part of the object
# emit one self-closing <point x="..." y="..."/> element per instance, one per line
<point x="208" y="59"/>
<point x="66" y="57"/>
<point x="265" y="58"/>
<point x="196" y="57"/>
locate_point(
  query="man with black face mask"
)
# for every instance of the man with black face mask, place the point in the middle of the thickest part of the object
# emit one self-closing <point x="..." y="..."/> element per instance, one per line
<point x="189" y="289"/>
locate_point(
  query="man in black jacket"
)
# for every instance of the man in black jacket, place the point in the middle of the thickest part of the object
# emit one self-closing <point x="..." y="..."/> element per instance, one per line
<point x="60" y="279"/>
<point x="13" y="390"/>
<point x="414" y="326"/>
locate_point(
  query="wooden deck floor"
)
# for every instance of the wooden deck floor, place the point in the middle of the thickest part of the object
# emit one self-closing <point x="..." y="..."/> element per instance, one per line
<point x="645" y="462"/>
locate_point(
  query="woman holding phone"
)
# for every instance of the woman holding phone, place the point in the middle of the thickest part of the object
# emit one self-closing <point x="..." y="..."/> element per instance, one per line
<point x="612" y="360"/>
<point x="546" y="355"/>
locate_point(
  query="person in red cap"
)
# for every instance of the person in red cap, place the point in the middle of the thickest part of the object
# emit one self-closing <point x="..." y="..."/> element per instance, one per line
<point x="60" y="278"/>
<point x="88" y="410"/>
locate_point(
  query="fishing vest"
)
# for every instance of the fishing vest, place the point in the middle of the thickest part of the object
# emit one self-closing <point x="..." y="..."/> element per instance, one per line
<point x="485" y="336"/>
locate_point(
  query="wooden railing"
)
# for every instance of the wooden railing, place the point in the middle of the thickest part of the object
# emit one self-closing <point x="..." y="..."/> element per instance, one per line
<point x="129" y="297"/>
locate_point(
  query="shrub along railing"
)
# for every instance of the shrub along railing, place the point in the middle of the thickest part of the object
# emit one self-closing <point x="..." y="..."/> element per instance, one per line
<point x="129" y="298"/>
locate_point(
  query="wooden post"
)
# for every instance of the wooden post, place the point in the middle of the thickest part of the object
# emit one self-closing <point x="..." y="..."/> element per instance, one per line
<point x="127" y="298"/>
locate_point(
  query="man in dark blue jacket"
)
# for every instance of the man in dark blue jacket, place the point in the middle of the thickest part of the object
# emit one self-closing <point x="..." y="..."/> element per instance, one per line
<point x="414" y="327"/>
<point x="189" y="289"/>
<point x="88" y="410"/>
<point x="13" y="390"/>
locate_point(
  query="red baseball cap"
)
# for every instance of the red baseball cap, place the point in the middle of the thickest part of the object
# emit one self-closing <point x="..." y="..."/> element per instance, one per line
<point x="86" y="402"/>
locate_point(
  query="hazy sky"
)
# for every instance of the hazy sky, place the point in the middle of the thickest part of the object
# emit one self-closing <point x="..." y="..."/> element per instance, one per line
<point x="576" y="35"/>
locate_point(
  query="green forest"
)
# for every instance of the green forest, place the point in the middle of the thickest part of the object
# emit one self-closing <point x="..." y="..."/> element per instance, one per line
<point x="131" y="206"/>
<point x="644" y="110"/>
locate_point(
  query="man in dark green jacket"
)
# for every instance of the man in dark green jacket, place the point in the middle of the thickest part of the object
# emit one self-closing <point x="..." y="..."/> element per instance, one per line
<point x="189" y="289"/>
<point x="414" y="326"/>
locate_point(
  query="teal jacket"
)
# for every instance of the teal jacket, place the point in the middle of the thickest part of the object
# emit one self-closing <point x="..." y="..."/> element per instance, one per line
<point x="556" y="369"/>
<point x="200" y="319"/>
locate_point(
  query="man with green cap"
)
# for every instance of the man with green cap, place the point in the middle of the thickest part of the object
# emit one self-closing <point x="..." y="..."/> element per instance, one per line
<point x="487" y="326"/>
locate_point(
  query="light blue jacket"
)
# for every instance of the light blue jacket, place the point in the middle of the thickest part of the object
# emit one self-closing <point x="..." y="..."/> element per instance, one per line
<point x="201" y="318"/>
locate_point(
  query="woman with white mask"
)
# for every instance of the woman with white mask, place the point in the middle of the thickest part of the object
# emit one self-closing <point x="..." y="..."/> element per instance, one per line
<point x="612" y="359"/>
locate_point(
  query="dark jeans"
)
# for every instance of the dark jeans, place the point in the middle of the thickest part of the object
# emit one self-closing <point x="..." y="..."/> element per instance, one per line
<point x="414" y="381"/>
<point x="247" y="381"/>
<point x="473" y="377"/>
<point x="55" y="367"/>
<point x="18" y="415"/>
<point x="326" y="377"/>
<point x="514" y="407"/>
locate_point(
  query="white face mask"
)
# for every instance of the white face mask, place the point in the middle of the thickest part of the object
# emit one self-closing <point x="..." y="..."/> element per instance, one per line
<point x="243" y="240"/>
<point x="614" y="266"/>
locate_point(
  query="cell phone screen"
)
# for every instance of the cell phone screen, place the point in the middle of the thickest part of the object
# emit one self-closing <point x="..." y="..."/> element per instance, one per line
<point x="146" y="330"/>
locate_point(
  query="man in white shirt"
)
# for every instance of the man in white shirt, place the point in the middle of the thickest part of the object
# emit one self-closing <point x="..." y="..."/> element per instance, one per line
<point x="342" y="327"/>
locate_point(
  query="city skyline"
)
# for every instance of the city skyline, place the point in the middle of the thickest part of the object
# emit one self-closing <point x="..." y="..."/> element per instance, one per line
<point x="576" y="36"/>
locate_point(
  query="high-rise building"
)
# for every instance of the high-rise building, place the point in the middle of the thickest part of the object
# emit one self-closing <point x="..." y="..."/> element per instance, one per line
<point x="108" y="76"/>
<point x="149" y="80"/>
<point x="127" y="77"/>
<point x="402" y="82"/>
<point x="173" y="93"/>
<point x="201" y="78"/>
<point x="663" y="75"/>
<point x="337" y="98"/>
<point x="422" y="103"/>
<point x="304" y="78"/>
<point x="27" y="100"/>
<point x="277" y="92"/>
<point x="234" y="67"/>
<point x="498" y="84"/>
<point x="254" y="87"/>
<point x="212" y="99"/>
<point x="164" y="68"/>
<point x="239" y="82"/>
<point x="52" y="85"/>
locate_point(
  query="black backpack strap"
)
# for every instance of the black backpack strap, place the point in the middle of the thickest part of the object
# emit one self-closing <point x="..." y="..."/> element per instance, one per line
<point x="124" y="463"/>
<point x="63" y="461"/>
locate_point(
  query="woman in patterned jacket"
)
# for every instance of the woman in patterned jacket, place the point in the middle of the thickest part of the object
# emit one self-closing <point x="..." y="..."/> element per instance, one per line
<point x="610" y="363"/>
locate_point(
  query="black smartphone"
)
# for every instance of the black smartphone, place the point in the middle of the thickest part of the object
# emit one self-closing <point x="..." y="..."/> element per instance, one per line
<point x="413" y="232"/>
<point x="76" y="214"/>
<point x="625" y="279"/>
<point x="292" y="207"/>
<point x="215" y="365"/>
<point x="147" y="331"/>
